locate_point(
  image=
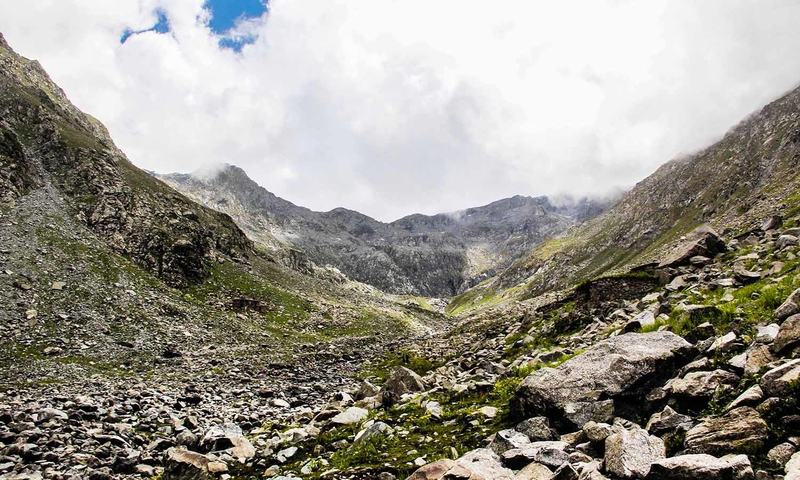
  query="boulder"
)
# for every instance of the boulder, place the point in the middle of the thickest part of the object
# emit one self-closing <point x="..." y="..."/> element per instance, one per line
<point x="701" y="385"/>
<point x="551" y="454"/>
<point x="184" y="464"/>
<point x="432" y="471"/>
<point x="483" y="463"/>
<point x="792" y="468"/>
<point x="611" y="378"/>
<point x="788" y="335"/>
<point x="741" y="430"/>
<point x="402" y="381"/>
<point x="350" y="416"/>
<point x="791" y="306"/>
<point x="703" y="241"/>
<point x="229" y="438"/>
<point x="537" y="429"/>
<point x="534" y="471"/>
<point x="508" y="439"/>
<point x="480" y="464"/>
<point x="781" y="381"/>
<point x="629" y="453"/>
<point x="668" y="420"/>
<point x="701" y="467"/>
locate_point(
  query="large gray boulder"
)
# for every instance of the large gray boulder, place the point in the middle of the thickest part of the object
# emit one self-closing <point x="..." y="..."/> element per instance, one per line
<point x="741" y="430"/>
<point x="629" y="453"/>
<point x="703" y="241"/>
<point x="610" y="379"/>
<point x="402" y="381"/>
<point x="701" y="467"/>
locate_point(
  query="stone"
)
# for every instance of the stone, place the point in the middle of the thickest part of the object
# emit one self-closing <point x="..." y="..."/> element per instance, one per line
<point x="643" y="319"/>
<point x="487" y="411"/>
<point x="780" y="380"/>
<point x="629" y="453"/>
<point x="757" y="357"/>
<point x="724" y="343"/>
<point x="375" y="430"/>
<point x="352" y="415"/>
<point x="784" y="241"/>
<point x="402" y="381"/>
<point x="750" y="397"/>
<point x="611" y="378"/>
<point x="791" y="306"/>
<point x="565" y="472"/>
<point x="767" y="333"/>
<point x="780" y="454"/>
<point x="597" y="432"/>
<point x="701" y="385"/>
<point x="550" y="453"/>
<point x="184" y="464"/>
<point x="537" y="429"/>
<point x="484" y="463"/>
<point x="534" y="471"/>
<point x="668" y="420"/>
<point x="788" y="335"/>
<point x="701" y="467"/>
<point x="741" y="430"/>
<point x="228" y="437"/>
<point x="703" y="241"/>
<point x="792" y="468"/>
<point x="772" y="223"/>
<point x="432" y="471"/>
<point x="505" y="440"/>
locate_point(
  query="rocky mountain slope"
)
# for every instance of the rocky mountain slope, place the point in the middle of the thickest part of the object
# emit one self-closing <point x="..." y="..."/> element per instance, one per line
<point x="435" y="256"/>
<point x="142" y="336"/>
<point x="123" y="302"/>
<point x="732" y="186"/>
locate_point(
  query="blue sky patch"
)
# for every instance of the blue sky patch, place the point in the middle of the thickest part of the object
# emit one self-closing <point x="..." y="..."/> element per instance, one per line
<point x="161" y="26"/>
<point x="225" y="14"/>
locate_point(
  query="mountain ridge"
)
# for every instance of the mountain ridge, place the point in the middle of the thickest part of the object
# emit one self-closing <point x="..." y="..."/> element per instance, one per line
<point x="432" y="255"/>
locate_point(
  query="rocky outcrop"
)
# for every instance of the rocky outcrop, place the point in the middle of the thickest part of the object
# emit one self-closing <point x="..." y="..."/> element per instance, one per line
<point x="609" y="379"/>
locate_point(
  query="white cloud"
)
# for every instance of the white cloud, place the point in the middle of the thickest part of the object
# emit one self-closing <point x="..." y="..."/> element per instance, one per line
<point x="392" y="107"/>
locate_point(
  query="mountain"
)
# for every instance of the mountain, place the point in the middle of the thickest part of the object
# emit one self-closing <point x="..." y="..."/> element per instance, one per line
<point x="47" y="143"/>
<point x="143" y="335"/>
<point x="435" y="256"/>
<point x="732" y="186"/>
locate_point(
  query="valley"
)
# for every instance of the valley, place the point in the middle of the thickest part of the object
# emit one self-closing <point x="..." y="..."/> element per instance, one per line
<point x="187" y="327"/>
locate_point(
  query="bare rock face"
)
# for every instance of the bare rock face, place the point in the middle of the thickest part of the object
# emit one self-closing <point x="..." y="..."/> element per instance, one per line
<point x="629" y="453"/>
<point x="742" y="430"/>
<point x="701" y="467"/>
<point x="606" y="380"/>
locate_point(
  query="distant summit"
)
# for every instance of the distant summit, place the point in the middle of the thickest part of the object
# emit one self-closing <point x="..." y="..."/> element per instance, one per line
<point x="433" y="255"/>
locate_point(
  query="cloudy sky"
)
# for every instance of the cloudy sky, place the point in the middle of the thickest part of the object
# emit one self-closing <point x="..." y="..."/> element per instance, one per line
<point x="391" y="107"/>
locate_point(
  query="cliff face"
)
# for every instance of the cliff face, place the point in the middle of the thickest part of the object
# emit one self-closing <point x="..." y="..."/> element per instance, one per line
<point x="45" y="142"/>
<point x="438" y="255"/>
